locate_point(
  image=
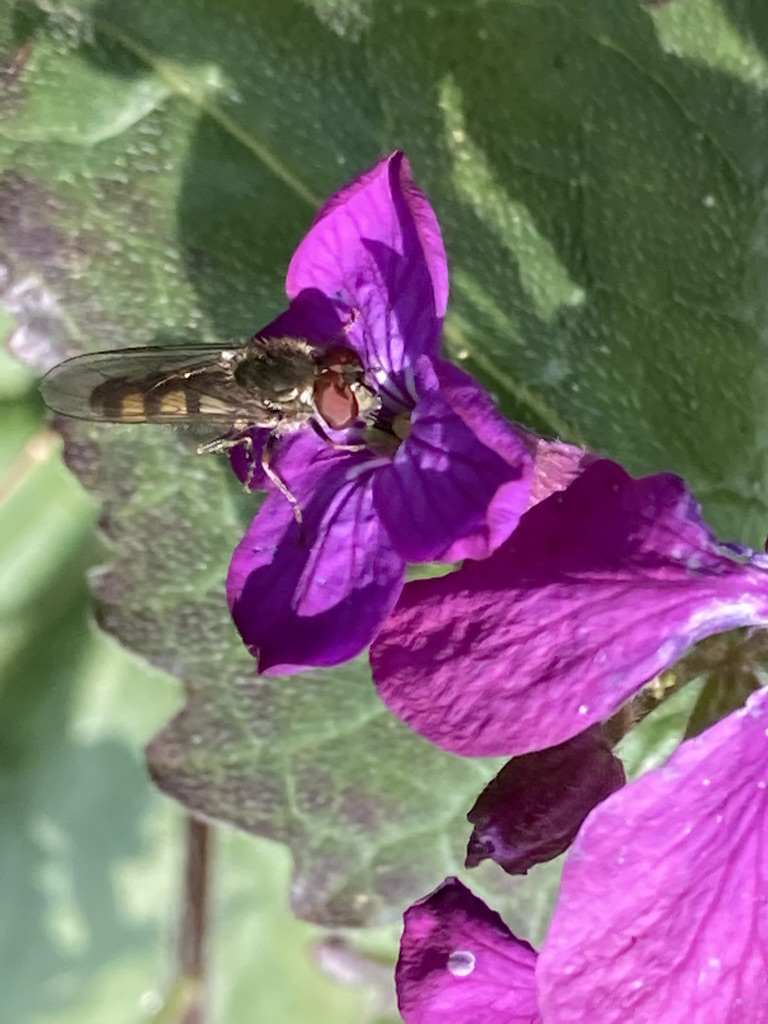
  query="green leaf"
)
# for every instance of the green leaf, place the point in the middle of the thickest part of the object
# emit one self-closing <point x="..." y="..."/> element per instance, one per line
<point x="732" y="666"/>
<point x="599" y="172"/>
<point x="601" y="191"/>
<point x="315" y="761"/>
<point x="89" y="852"/>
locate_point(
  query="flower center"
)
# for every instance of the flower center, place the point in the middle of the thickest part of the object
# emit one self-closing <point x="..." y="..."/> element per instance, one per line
<point x="384" y="436"/>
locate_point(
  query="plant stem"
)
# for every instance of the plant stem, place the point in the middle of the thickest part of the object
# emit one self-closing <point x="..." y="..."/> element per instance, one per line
<point x="194" y="921"/>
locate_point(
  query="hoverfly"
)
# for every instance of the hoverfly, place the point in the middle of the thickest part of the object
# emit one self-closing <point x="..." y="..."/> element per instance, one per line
<point x="275" y="383"/>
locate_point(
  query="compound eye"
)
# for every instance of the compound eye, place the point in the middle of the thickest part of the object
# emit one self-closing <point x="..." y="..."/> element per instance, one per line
<point x="340" y="359"/>
<point x="335" y="401"/>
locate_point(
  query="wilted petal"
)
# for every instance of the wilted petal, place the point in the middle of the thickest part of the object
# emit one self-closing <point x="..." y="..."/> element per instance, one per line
<point x="314" y="594"/>
<point x="377" y="253"/>
<point x="556" y="465"/>
<point x="600" y="588"/>
<point x="460" y="964"/>
<point x="663" y="911"/>
<point x="460" y="482"/>
<point x="531" y="811"/>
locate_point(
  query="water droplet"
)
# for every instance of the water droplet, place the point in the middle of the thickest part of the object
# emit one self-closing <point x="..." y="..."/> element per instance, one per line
<point x="706" y="782"/>
<point x="461" y="963"/>
<point x="583" y="709"/>
<point x="150" y="1003"/>
<point x="709" y="201"/>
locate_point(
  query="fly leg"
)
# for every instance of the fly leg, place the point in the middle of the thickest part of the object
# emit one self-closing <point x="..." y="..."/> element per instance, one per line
<point x="225" y="444"/>
<point x="266" y="464"/>
<point x="354" y="317"/>
<point x="318" y="429"/>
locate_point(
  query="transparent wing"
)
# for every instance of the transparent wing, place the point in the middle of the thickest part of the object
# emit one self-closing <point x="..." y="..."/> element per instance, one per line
<point x="156" y="385"/>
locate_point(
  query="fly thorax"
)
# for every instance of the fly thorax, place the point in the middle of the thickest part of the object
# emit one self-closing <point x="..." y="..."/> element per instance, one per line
<point x="278" y="373"/>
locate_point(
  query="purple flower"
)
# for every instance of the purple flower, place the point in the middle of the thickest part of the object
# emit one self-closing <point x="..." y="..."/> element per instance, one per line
<point x="601" y="587"/>
<point x="662" y="915"/>
<point x="450" y="480"/>
<point x="459" y="963"/>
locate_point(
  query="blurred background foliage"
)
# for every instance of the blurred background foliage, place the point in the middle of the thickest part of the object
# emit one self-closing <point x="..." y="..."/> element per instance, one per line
<point x="599" y="170"/>
<point x="91" y="855"/>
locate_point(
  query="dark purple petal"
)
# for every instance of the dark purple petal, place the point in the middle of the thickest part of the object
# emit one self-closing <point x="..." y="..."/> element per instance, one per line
<point x="314" y="594"/>
<point x="460" y="482"/>
<point x="245" y="460"/>
<point x="663" y="911"/>
<point x="312" y="316"/>
<point x="600" y="588"/>
<point x="460" y="964"/>
<point x="377" y="253"/>
<point x="534" y="807"/>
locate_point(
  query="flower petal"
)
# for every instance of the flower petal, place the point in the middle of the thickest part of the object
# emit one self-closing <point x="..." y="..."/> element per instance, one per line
<point x="377" y="253"/>
<point x="245" y="460"/>
<point x="531" y="811"/>
<point x="556" y="465"/>
<point x="311" y="315"/>
<point x="600" y="588"/>
<point x="663" y="914"/>
<point x="459" y="963"/>
<point x="314" y="594"/>
<point x="460" y="481"/>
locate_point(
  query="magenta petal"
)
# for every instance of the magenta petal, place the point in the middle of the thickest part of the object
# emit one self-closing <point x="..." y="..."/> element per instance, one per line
<point x="663" y="911"/>
<point x="460" y="482"/>
<point x="460" y="964"/>
<point x="600" y="588"/>
<point x="531" y="811"/>
<point x="377" y="253"/>
<point x="315" y="594"/>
